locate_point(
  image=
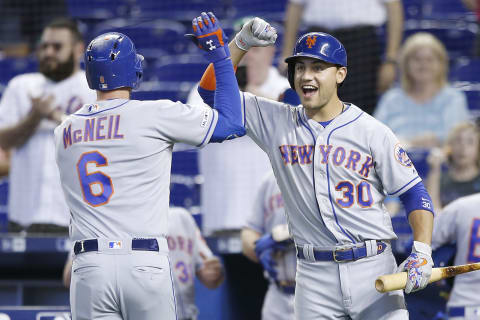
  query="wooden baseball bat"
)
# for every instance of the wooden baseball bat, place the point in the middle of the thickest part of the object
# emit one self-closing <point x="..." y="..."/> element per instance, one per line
<point x="397" y="281"/>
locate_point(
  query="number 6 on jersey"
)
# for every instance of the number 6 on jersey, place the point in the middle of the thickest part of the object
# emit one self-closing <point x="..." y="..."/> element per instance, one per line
<point x="88" y="180"/>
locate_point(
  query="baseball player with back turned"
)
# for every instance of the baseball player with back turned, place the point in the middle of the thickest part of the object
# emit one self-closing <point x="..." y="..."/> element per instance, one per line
<point x="334" y="165"/>
<point x="114" y="158"/>
<point x="277" y="256"/>
<point x="459" y="223"/>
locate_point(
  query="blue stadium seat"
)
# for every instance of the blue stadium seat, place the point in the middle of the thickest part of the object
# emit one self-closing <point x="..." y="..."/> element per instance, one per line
<point x="186" y="67"/>
<point x="270" y="10"/>
<point x="11" y="67"/>
<point x="412" y="9"/>
<point x="152" y="38"/>
<point x="457" y="36"/>
<point x="98" y="9"/>
<point x="443" y="9"/>
<point x="466" y="77"/>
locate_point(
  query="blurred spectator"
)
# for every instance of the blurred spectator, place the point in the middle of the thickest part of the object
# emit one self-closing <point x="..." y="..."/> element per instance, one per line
<point x="190" y="257"/>
<point x="355" y="24"/>
<point x="461" y="154"/>
<point x="474" y="5"/>
<point x="31" y="107"/>
<point x="22" y="22"/>
<point x="423" y="110"/>
<point x="231" y="170"/>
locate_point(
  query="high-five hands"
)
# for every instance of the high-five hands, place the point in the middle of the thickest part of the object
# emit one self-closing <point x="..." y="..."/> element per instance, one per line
<point x="256" y="33"/>
<point x="418" y="266"/>
<point x="209" y="36"/>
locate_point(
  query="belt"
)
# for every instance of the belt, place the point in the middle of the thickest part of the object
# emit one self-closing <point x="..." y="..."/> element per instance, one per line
<point x="341" y="255"/>
<point x="456" y="312"/>
<point x="137" y="244"/>
<point x="287" y="288"/>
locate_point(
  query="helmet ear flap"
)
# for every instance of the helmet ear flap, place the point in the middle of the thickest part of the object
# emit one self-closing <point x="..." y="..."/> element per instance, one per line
<point x="291" y="74"/>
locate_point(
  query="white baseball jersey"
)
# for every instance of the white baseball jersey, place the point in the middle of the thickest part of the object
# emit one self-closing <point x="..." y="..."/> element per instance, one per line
<point x="333" y="179"/>
<point x="115" y="158"/>
<point x="460" y="222"/>
<point x="35" y="192"/>
<point x="269" y="212"/>
<point x="334" y="14"/>
<point x="188" y="250"/>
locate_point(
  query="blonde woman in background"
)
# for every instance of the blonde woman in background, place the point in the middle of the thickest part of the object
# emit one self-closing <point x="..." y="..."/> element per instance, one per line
<point x="461" y="154"/>
<point x="424" y="108"/>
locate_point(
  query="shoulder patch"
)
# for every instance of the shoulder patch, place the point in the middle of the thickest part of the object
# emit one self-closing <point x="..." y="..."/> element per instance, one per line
<point x="401" y="156"/>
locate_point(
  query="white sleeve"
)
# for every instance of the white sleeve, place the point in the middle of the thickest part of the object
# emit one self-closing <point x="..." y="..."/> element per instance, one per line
<point x="179" y="122"/>
<point x="261" y="117"/>
<point x="10" y="106"/>
<point x="444" y="225"/>
<point x="391" y="162"/>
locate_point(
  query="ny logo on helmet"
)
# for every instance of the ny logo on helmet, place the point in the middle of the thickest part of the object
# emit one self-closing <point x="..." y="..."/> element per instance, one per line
<point x="311" y="41"/>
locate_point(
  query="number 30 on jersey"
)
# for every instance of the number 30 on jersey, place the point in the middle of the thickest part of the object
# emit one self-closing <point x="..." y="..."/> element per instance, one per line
<point x="361" y="194"/>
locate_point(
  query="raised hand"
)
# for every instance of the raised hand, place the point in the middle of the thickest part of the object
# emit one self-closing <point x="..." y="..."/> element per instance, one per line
<point x="256" y="33"/>
<point x="418" y="266"/>
<point x="210" y="37"/>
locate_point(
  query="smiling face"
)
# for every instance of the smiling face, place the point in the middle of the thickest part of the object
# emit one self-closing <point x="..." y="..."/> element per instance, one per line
<point x="316" y="81"/>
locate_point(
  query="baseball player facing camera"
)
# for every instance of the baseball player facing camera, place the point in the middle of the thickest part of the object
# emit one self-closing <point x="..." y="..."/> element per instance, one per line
<point x="334" y="165"/>
<point x="114" y="158"/>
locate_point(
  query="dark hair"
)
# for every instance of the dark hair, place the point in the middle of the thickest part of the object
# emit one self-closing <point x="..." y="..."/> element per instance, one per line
<point x="66" y="23"/>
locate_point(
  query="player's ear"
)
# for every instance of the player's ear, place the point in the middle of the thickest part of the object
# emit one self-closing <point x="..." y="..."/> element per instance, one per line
<point x="341" y="74"/>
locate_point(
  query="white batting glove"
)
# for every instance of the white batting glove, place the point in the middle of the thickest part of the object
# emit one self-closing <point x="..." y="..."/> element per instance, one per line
<point x="418" y="266"/>
<point x="256" y="33"/>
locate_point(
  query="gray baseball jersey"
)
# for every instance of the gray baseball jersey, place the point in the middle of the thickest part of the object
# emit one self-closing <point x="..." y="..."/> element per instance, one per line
<point x="460" y="222"/>
<point x="115" y="158"/>
<point x="333" y="179"/>
<point x="268" y="212"/>
<point x="187" y="251"/>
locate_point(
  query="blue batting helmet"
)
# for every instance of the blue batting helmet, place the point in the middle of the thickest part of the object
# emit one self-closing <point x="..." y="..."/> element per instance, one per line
<point x="317" y="45"/>
<point x="111" y="62"/>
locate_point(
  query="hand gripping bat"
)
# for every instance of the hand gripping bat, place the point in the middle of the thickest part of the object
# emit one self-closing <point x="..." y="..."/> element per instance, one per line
<point x="397" y="281"/>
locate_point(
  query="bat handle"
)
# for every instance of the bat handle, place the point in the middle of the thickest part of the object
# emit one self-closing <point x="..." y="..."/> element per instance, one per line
<point x="391" y="282"/>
